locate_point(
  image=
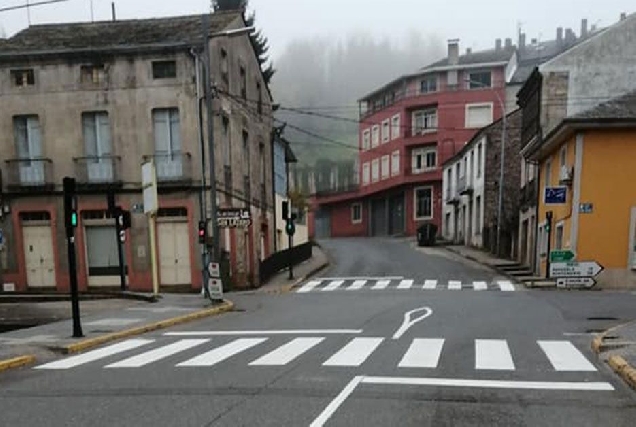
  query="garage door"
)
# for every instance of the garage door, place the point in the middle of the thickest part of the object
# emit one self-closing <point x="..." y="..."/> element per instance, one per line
<point x="174" y="253"/>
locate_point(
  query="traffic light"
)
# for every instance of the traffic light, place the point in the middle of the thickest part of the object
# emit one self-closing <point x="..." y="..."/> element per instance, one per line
<point x="74" y="220"/>
<point x="290" y="227"/>
<point x="202" y="232"/>
<point x="125" y="219"/>
<point x="71" y="218"/>
<point x="285" y="209"/>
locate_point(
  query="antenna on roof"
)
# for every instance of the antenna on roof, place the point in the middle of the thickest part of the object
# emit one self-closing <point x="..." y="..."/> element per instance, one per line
<point x="28" y="8"/>
<point x="92" y="15"/>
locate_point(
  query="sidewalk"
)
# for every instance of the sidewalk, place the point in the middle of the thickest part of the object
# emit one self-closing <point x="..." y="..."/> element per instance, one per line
<point x="511" y="269"/>
<point x="280" y="283"/>
<point x="617" y="347"/>
<point x="102" y="322"/>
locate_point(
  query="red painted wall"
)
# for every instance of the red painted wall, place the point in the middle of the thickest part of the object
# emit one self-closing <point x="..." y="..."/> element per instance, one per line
<point x="341" y="225"/>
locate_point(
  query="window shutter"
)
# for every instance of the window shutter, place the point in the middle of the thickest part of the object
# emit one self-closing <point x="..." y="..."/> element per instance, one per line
<point x="21" y="138"/>
<point x="162" y="132"/>
<point x="35" y="144"/>
<point x="103" y="127"/>
<point x="175" y="131"/>
<point x="90" y="134"/>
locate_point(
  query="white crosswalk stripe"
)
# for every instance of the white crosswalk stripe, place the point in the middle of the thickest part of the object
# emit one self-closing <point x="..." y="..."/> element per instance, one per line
<point x="392" y="283"/>
<point x="421" y="353"/>
<point x="333" y="285"/>
<point x="358" y="284"/>
<point x="454" y="285"/>
<point x="480" y="286"/>
<point x="381" y="284"/>
<point x="506" y="286"/>
<point x="309" y="286"/>
<point x="430" y="284"/>
<point x="405" y="284"/>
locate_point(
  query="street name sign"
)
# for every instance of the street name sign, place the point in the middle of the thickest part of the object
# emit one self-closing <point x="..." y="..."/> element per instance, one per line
<point x="234" y="218"/>
<point x="575" y="269"/>
<point x="576" y="282"/>
<point x="555" y="195"/>
<point x="561" y="255"/>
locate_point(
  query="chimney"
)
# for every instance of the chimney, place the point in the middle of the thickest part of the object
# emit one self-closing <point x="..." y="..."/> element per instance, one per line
<point x="508" y="43"/>
<point x="560" y="36"/>
<point x="533" y="41"/>
<point x="498" y="44"/>
<point x="522" y="40"/>
<point x="583" y="28"/>
<point x="453" y="51"/>
<point x="468" y="51"/>
<point x="112" y="6"/>
<point x="569" y="36"/>
<point x="623" y="16"/>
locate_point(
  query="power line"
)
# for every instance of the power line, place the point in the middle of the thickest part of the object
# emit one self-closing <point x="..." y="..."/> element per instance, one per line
<point x="28" y="5"/>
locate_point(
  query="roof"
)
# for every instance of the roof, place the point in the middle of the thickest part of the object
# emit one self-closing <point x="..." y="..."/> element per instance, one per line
<point x="622" y="107"/>
<point x="114" y="34"/>
<point x="474" y="58"/>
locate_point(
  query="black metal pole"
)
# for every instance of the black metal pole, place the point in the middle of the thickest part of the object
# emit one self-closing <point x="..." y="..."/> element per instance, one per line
<point x="291" y="261"/>
<point x="549" y="237"/>
<point x="120" y="250"/>
<point x="72" y="271"/>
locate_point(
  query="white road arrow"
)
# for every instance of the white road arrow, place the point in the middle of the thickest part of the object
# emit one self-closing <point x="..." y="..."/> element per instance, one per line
<point x="410" y="320"/>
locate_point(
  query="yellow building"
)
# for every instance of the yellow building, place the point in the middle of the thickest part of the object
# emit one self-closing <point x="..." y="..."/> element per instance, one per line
<point x="591" y="158"/>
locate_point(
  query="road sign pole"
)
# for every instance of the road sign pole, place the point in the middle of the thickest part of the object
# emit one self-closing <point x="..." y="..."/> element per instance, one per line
<point x="120" y="251"/>
<point x="153" y="253"/>
<point x="548" y="219"/>
<point x="291" y="261"/>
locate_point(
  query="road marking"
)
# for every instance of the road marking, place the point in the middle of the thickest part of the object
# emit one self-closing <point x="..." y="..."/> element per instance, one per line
<point x="454" y="285"/>
<point x="405" y="284"/>
<point x="157" y="354"/>
<point x="493" y="354"/>
<point x="309" y="286"/>
<point x="506" y="286"/>
<point x="526" y="385"/>
<point x="430" y="284"/>
<point x="91" y="356"/>
<point x="333" y="285"/>
<point x="358" y="284"/>
<point x="224" y="352"/>
<point x="423" y="353"/>
<point x="287" y="352"/>
<point x="113" y="322"/>
<point x="565" y="357"/>
<point x="273" y="332"/>
<point x="381" y="284"/>
<point x="480" y="286"/>
<point x="321" y="279"/>
<point x="355" y="352"/>
<point x="410" y="321"/>
<point x="336" y="402"/>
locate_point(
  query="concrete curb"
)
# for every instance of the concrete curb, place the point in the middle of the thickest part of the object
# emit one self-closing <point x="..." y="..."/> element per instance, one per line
<point x="313" y="272"/>
<point x="102" y="339"/>
<point x="623" y="369"/>
<point x="16" y="362"/>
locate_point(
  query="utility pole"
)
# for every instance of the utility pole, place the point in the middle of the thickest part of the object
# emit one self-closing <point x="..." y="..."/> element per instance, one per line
<point x="70" y="221"/>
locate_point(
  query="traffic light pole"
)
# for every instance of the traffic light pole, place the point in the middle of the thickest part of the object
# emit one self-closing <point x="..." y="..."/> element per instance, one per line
<point x="70" y="216"/>
<point x="548" y="219"/>
<point x="291" y="261"/>
<point x="120" y="251"/>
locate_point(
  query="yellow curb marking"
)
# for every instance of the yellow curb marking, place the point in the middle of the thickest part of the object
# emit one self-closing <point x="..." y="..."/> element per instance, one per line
<point x="624" y="369"/>
<point x="16" y="362"/>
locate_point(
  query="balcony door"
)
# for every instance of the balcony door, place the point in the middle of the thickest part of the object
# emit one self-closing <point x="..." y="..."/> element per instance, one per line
<point x="29" y="148"/>
<point x="98" y="146"/>
<point x="168" y="156"/>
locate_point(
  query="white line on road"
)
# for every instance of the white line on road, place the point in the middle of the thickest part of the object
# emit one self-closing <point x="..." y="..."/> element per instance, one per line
<point x="91" y="356"/>
<point x="355" y="352"/>
<point x="336" y="402"/>
<point x="480" y="286"/>
<point x="454" y="285"/>
<point x="333" y="285"/>
<point x="309" y="286"/>
<point x="430" y="284"/>
<point x="565" y="357"/>
<point x="381" y="284"/>
<point x="410" y="321"/>
<point x="157" y="354"/>
<point x="360" y="278"/>
<point x="272" y="332"/>
<point x="358" y="284"/>
<point x="224" y="352"/>
<point x="423" y="353"/>
<point x="493" y="354"/>
<point x="405" y="284"/>
<point x="287" y="352"/>
<point x="506" y="285"/>
<point x="527" y="385"/>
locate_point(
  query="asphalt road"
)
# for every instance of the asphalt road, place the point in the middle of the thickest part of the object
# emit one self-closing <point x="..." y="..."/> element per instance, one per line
<point x="345" y="352"/>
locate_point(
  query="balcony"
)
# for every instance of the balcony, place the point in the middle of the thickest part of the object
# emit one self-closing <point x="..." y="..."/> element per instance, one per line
<point x="94" y="171"/>
<point x="465" y="186"/>
<point x="451" y="197"/>
<point x="172" y="168"/>
<point x="30" y="174"/>
<point x="529" y="195"/>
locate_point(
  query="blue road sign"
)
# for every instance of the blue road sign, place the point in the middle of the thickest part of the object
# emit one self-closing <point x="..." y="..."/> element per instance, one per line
<point x="1" y="237"/>
<point x="555" y="195"/>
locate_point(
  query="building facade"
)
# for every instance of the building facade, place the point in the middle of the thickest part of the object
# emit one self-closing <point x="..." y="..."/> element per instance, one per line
<point x="96" y="100"/>
<point x="408" y="129"/>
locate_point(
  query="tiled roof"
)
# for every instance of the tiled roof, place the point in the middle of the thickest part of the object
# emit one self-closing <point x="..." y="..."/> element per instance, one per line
<point x="114" y="34"/>
<point x="622" y="107"/>
<point x="481" y="57"/>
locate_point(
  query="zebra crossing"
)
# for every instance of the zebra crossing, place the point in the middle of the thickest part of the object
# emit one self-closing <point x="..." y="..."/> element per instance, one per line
<point x="422" y="353"/>
<point x="379" y="283"/>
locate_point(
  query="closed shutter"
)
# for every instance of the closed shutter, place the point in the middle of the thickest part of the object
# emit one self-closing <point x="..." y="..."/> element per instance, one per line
<point x="162" y="132"/>
<point x="90" y="135"/>
<point x="103" y="125"/>
<point x="478" y="116"/>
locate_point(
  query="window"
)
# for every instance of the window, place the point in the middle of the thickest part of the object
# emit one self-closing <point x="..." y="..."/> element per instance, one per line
<point x="225" y="75"/>
<point x="366" y="139"/>
<point x="366" y="173"/>
<point x="386" y="165"/>
<point x="356" y="213"/>
<point x="247" y="190"/>
<point x="479" y="80"/>
<point x="429" y="84"/>
<point x="472" y="162"/>
<point x="424" y="121"/>
<point x="558" y="236"/>
<point x="395" y="127"/>
<point x="395" y="163"/>
<point x="386" y="129"/>
<point x="478" y="115"/>
<point x="548" y="173"/>
<point x="96" y="127"/>
<point x="167" y="142"/>
<point x="375" y="170"/>
<point x="423" y="203"/>
<point x="259" y="105"/>
<point x="227" y="152"/>
<point x="164" y="69"/>
<point x="23" y="78"/>
<point x="478" y="214"/>
<point x="27" y="137"/>
<point x="375" y="136"/>
<point x="564" y="153"/>
<point x="479" y="160"/>
<point x="542" y="242"/>
<point x="243" y="75"/>
<point x="424" y="159"/>
<point x="246" y="150"/>
<point x="94" y="74"/>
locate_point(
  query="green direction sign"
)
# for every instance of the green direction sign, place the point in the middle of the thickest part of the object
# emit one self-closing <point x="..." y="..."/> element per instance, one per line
<point x="561" y="256"/>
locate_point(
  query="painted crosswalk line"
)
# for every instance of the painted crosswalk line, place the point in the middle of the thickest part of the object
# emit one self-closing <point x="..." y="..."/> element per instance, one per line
<point x="158" y="353"/>
<point x="430" y="284"/>
<point x="480" y="286"/>
<point x="287" y="352"/>
<point x="357" y="284"/>
<point x="219" y="354"/>
<point x="405" y="284"/>
<point x="565" y="357"/>
<point x="454" y="285"/>
<point x="392" y="283"/>
<point x="309" y="286"/>
<point x="493" y="355"/>
<point x="100" y="353"/>
<point x="333" y="285"/>
<point x="506" y="285"/>
<point x="423" y="353"/>
<point x="355" y="352"/>
<point x="381" y="284"/>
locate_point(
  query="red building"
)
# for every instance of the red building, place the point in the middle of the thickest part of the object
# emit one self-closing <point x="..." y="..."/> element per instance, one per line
<point x="408" y="128"/>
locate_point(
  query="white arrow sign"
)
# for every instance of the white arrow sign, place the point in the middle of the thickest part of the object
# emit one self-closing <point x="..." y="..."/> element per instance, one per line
<point x="575" y="269"/>
<point x="576" y="282"/>
<point x="410" y="321"/>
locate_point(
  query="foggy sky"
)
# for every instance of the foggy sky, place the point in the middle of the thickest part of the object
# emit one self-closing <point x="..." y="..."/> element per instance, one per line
<point x="476" y="23"/>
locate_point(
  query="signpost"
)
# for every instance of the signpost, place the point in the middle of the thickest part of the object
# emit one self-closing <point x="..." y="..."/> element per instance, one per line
<point x="574" y="274"/>
<point x="151" y="202"/>
<point x="215" y="284"/>
<point x="576" y="282"/>
<point x="565" y="255"/>
<point x="234" y="218"/>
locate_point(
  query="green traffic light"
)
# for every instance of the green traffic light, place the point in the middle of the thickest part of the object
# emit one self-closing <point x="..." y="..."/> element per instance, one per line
<point x="74" y="219"/>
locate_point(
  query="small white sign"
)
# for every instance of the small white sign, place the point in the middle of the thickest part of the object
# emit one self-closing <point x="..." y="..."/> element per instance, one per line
<point x="147" y="174"/>
<point x="8" y="287"/>
<point x="215" y="286"/>
<point x="575" y="269"/>
<point x="150" y="199"/>
<point x="576" y="282"/>
<point x="214" y="270"/>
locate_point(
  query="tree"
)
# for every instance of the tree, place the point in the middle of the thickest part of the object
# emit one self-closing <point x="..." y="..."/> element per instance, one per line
<point x="258" y="40"/>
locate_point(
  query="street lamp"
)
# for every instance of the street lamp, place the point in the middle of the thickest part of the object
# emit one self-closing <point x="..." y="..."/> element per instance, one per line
<point x="501" y="160"/>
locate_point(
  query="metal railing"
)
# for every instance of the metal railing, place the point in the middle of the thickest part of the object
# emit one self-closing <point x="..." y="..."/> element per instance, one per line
<point x="172" y="167"/>
<point x="29" y="172"/>
<point x="97" y="169"/>
<point x="465" y="184"/>
<point x="281" y="260"/>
